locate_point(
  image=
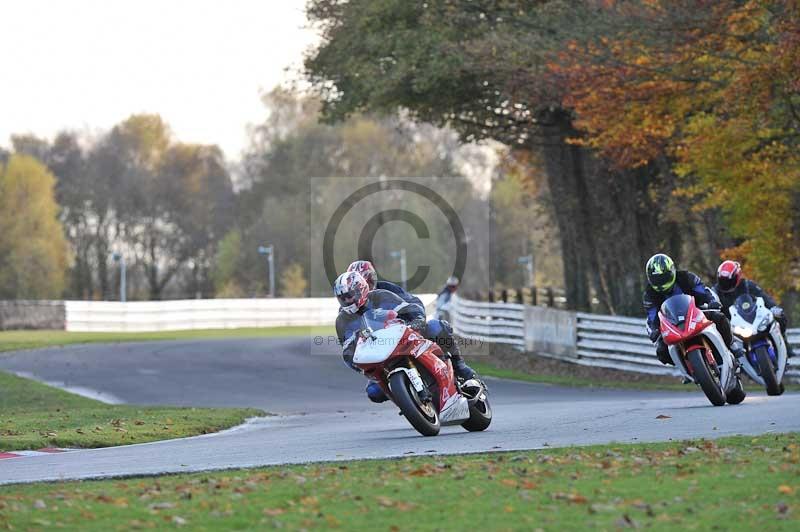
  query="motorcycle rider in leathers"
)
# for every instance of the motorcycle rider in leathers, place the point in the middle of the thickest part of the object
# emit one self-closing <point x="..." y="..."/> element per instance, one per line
<point x="665" y="281"/>
<point x="355" y="298"/>
<point x="439" y="331"/>
<point x="731" y="284"/>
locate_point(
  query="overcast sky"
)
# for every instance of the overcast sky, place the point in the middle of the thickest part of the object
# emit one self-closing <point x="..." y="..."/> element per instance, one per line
<point x="201" y="64"/>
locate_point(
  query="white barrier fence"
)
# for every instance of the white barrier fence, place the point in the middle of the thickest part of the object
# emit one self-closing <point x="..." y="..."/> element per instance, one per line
<point x="113" y="316"/>
<point x="586" y="339"/>
<point x="500" y="323"/>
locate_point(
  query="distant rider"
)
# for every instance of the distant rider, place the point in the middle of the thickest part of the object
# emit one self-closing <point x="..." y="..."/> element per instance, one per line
<point x="436" y="330"/>
<point x="731" y="284"/>
<point x="355" y="298"/>
<point x="445" y="295"/>
<point x="664" y="281"/>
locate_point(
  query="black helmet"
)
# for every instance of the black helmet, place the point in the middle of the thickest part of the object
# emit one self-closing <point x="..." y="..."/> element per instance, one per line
<point x="660" y="271"/>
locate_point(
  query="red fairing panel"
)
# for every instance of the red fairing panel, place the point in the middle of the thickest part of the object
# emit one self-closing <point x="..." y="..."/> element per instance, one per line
<point x="442" y="372"/>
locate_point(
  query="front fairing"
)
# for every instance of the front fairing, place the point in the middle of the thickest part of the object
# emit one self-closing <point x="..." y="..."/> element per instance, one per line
<point x="381" y="333"/>
<point x="379" y="346"/>
<point x="751" y="320"/>
<point x="680" y="319"/>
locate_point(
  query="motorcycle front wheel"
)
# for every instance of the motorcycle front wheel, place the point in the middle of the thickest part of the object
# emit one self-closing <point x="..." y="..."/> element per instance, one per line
<point x="422" y="415"/>
<point x="705" y="378"/>
<point x="767" y="372"/>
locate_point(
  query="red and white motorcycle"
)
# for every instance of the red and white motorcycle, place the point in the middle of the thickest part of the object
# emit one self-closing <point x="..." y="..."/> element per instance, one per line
<point x="698" y="350"/>
<point x="415" y="376"/>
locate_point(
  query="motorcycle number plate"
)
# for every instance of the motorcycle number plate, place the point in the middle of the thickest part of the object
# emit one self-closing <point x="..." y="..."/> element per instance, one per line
<point x="416" y="380"/>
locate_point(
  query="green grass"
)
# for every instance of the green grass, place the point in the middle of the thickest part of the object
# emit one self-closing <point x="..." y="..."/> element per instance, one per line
<point x="572" y="381"/>
<point x="734" y="483"/>
<point x="488" y="370"/>
<point x="33" y="415"/>
<point x="16" y="340"/>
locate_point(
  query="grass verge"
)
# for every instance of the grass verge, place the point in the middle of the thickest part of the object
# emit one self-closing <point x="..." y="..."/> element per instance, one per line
<point x="487" y="369"/>
<point x="17" y="340"/>
<point x="34" y="415"/>
<point x="752" y="482"/>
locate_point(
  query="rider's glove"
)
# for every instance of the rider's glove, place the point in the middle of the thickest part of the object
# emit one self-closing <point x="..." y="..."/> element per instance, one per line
<point x="777" y="312"/>
<point x="654" y="335"/>
<point x="714" y="305"/>
<point x="418" y="324"/>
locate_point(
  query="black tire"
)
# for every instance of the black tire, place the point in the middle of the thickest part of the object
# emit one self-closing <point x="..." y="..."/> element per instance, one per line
<point x="737" y="394"/>
<point x="404" y="397"/>
<point x="767" y="372"/>
<point x="480" y="415"/>
<point x="702" y="374"/>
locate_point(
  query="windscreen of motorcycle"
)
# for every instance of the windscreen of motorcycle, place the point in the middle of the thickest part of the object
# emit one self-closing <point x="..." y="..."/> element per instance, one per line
<point x="378" y="318"/>
<point x="675" y="309"/>
<point x="746" y="307"/>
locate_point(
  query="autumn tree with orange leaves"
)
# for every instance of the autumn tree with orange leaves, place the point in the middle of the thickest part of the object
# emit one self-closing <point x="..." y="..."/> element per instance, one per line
<point x="715" y="87"/>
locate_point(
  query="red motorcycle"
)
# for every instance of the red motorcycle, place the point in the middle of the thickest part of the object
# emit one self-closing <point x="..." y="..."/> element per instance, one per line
<point x="698" y="350"/>
<point x="415" y="375"/>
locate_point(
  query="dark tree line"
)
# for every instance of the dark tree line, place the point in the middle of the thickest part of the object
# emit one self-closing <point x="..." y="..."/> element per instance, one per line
<point x="481" y="67"/>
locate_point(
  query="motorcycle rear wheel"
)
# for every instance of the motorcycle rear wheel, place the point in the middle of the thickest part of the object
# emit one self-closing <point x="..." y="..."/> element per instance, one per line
<point x="407" y="400"/>
<point x="767" y="372"/>
<point x="702" y="374"/>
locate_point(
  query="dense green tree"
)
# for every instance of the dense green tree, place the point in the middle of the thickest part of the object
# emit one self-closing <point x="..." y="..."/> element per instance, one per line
<point x="32" y="245"/>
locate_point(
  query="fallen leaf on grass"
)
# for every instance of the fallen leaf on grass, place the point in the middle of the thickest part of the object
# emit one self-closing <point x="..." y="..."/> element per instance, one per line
<point x="309" y="501"/>
<point x="39" y="504"/>
<point x="626" y="522"/>
<point x="161" y="506"/>
<point x="386" y="502"/>
<point x="786" y="490"/>
<point x="272" y="512"/>
<point x="178" y="520"/>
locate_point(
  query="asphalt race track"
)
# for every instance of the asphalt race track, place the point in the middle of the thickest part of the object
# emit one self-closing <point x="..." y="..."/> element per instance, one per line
<point x="324" y="414"/>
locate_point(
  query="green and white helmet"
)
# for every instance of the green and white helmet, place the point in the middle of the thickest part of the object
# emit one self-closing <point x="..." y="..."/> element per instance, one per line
<point x="660" y="272"/>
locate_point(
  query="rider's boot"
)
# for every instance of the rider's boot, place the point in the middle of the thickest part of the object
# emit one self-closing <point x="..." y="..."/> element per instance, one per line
<point x="738" y="354"/>
<point x="789" y="351"/>
<point x="376" y="393"/>
<point x="459" y="366"/>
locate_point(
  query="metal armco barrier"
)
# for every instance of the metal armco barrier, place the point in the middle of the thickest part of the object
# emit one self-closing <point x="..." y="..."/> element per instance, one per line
<point x="587" y="339"/>
<point x="113" y="316"/>
<point x="500" y="323"/>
